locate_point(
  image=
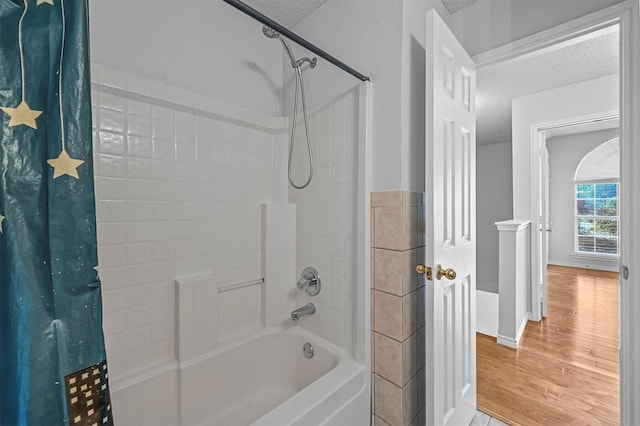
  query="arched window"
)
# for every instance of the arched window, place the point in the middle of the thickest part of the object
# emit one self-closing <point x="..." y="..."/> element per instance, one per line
<point x="597" y="181"/>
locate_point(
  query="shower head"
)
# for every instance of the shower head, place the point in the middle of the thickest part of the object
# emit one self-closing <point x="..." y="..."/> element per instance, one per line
<point x="270" y="32"/>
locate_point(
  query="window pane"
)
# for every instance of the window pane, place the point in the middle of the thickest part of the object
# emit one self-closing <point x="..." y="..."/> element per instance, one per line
<point x="607" y="190"/>
<point x="584" y="191"/>
<point x="585" y="207"/>
<point x="606" y="228"/>
<point x="597" y="235"/>
<point x="607" y="245"/>
<point x="585" y="226"/>
<point x="586" y="244"/>
<point x="606" y="207"/>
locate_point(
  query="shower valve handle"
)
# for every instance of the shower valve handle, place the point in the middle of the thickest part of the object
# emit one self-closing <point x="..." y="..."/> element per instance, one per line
<point x="310" y="281"/>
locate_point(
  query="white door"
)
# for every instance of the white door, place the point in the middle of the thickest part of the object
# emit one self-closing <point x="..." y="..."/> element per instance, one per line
<point x="450" y="186"/>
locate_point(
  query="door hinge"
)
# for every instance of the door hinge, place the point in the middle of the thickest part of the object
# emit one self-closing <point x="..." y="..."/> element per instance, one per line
<point x="540" y="292"/>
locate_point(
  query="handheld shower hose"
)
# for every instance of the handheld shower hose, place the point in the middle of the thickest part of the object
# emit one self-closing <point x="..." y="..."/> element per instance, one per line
<point x="299" y="92"/>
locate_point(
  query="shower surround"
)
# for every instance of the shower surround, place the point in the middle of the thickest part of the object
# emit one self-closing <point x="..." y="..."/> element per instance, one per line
<point x="181" y="180"/>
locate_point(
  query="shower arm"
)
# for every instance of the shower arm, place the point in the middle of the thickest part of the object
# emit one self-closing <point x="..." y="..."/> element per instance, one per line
<point x="294" y="64"/>
<point x="312" y="62"/>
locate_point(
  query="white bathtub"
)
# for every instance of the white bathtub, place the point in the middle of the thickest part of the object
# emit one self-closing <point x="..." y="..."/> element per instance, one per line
<point x="266" y="380"/>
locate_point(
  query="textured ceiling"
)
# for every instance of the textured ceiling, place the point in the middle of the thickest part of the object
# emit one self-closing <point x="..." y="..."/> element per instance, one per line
<point x="455" y="5"/>
<point x="499" y="84"/>
<point x="286" y="12"/>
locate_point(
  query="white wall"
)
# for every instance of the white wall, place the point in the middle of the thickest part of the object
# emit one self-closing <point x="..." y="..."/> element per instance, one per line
<point x="581" y="99"/>
<point x="487" y="312"/>
<point x="384" y="40"/>
<point x="203" y="46"/>
<point x="565" y="153"/>
<point x="494" y="204"/>
<point x="515" y="278"/>
<point x="586" y="99"/>
<point x="366" y="35"/>
<point x="197" y="45"/>
<point x="413" y="90"/>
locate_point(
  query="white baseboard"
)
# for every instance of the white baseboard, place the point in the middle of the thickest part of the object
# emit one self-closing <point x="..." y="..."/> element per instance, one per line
<point x="507" y="341"/>
<point x="510" y="341"/>
<point x="487" y="309"/>
<point x="614" y="267"/>
<point x="523" y="325"/>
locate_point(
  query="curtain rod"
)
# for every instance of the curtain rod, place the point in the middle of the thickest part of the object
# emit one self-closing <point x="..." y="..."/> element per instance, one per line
<point x="294" y="37"/>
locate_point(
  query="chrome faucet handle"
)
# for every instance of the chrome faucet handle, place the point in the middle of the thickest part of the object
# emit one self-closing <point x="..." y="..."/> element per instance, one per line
<point x="303" y="283"/>
<point x="310" y="281"/>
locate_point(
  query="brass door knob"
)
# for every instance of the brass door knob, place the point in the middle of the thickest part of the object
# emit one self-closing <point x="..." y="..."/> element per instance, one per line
<point x="448" y="273"/>
<point x="424" y="270"/>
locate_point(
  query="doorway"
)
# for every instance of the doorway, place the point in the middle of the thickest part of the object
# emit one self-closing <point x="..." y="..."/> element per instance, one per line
<point x="579" y="194"/>
<point x="526" y="204"/>
<point x="572" y="353"/>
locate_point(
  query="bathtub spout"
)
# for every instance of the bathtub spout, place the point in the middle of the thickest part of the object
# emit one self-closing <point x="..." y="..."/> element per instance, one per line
<point x="307" y="309"/>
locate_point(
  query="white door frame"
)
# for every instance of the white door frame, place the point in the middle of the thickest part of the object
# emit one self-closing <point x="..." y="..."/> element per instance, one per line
<point x="627" y="15"/>
<point x="545" y="226"/>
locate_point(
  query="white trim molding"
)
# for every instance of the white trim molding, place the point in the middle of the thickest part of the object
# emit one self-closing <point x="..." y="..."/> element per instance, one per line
<point x="511" y="342"/>
<point x="512" y="225"/>
<point x="507" y="341"/>
<point x="629" y="218"/>
<point x="572" y="32"/>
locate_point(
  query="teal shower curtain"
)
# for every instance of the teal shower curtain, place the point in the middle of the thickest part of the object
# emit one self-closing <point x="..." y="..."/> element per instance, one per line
<point x="52" y="357"/>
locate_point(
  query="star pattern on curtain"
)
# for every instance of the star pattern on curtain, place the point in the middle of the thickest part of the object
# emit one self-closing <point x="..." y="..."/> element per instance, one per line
<point x="45" y="121"/>
<point x="22" y="115"/>
<point x="65" y="165"/>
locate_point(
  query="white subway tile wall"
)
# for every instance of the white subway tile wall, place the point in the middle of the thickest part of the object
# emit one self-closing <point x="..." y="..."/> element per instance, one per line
<point x="179" y="182"/>
<point x="326" y="216"/>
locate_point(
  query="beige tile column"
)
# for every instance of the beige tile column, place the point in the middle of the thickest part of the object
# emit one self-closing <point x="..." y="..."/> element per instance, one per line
<point x="398" y="307"/>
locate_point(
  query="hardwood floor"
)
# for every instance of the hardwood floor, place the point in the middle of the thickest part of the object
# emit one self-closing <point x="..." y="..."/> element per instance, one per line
<point x="566" y="369"/>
